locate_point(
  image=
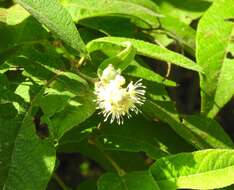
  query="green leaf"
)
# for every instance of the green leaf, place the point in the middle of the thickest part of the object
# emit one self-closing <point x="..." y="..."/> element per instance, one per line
<point x="174" y="24"/>
<point x="77" y="110"/>
<point x="118" y="140"/>
<point x="57" y="19"/>
<point x="19" y="29"/>
<point x="208" y="130"/>
<point x="121" y="60"/>
<point x="148" y="137"/>
<point x="179" y="31"/>
<point x="135" y="69"/>
<point x="146" y="3"/>
<point x="165" y="111"/>
<point x="8" y="131"/>
<point x="80" y="10"/>
<point x="207" y="169"/>
<point x="186" y="11"/>
<point x="28" y="159"/>
<point x="199" y="131"/>
<point x="32" y="161"/>
<point x="146" y="49"/>
<point x="214" y="37"/>
<point x="130" y="181"/>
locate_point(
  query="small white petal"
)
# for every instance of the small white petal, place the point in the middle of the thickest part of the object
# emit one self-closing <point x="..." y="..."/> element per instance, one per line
<point x="115" y="100"/>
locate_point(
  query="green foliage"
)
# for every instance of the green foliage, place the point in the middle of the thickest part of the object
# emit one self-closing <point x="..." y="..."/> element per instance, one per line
<point x="56" y="18"/>
<point x="84" y="9"/>
<point x="50" y="76"/>
<point x="130" y="181"/>
<point x="146" y="49"/>
<point x="215" y="29"/>
<point x="187" y="170"/>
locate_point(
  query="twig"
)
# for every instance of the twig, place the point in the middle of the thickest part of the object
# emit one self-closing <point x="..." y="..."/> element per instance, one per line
<point x="168" y="63"/>
<point x="119" y="170"/>
<point x="60" y="182"/>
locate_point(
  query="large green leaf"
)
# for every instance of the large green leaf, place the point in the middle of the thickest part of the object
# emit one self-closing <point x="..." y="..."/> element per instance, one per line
<point x="207" y="169"/>
<point x="130" y="181"/>
<point x="208" y="130"/>
<point x="80" y="9"/>
<point x="8" y="131"/>
<point x="32" y="161"/>
<point x="145" y="49"/>
<point x="199" y="131"/>
<point x="214" y="39"/>
<point x="137" y="68"/>
<point x="57" y="19"/>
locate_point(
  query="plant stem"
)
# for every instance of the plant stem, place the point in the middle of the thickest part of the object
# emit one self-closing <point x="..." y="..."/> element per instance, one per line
<point x="86" y="77"/>
<point x="119" y="170"/>
<point x="60" y="182"/>
<point x="168" y="63"/>
<point x="80" y="62"/>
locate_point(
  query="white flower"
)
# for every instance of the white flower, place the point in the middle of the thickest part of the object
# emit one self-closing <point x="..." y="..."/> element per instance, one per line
<point x="114" y="100"/>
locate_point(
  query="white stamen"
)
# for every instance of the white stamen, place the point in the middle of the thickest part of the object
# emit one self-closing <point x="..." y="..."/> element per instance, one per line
<point x="115" y="100"/>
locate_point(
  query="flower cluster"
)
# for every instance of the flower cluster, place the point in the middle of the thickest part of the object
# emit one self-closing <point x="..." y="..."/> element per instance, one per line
<point x="113" y="99"/>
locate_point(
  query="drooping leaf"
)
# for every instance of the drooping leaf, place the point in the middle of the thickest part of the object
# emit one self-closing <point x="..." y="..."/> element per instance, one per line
<point x="57" y="19"/>
<point x="137" y="68"/>
<point x="121" y="60"/>
<point x="207" y="169"/>
<point x="146" y="49"/>
<point x="214" y="37"/>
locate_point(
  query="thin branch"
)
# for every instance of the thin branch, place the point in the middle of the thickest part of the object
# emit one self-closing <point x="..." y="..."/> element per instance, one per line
<point x="119" y="170"/>
<point x="60" y="182"/>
